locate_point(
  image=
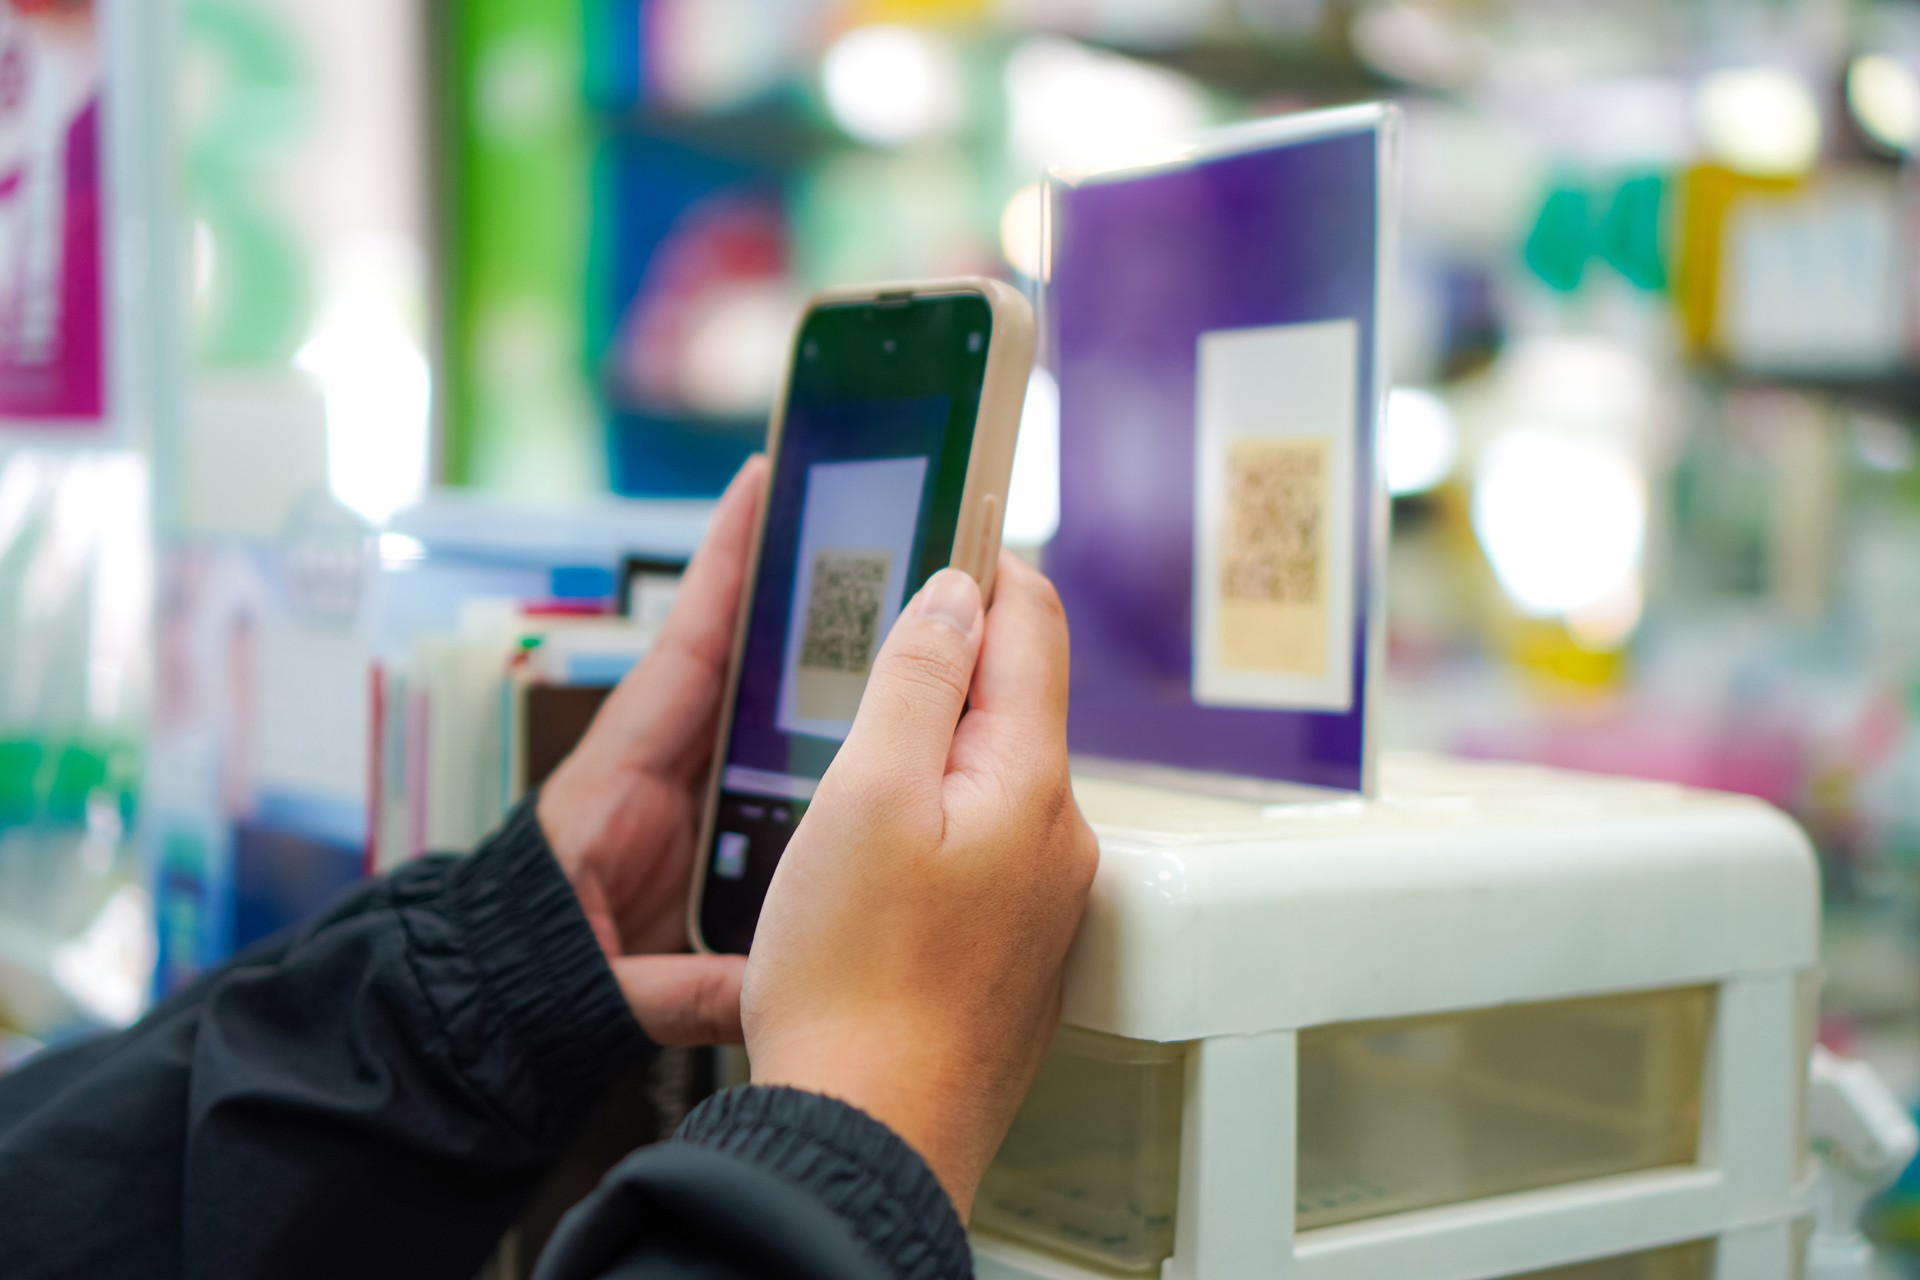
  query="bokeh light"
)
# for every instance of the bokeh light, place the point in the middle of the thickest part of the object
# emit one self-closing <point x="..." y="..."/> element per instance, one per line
<point x="1884" y="96"/>
<point x="1760" y="120"/>
<point x="1421" y="441"/>
<point x="1562" y="519"/>
<point x="891" y="84"/>
<point x="1021" y="225"/>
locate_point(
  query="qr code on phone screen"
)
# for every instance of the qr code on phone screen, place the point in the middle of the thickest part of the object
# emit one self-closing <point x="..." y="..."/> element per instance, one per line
<point x="843" y="610"/>
<point x="1276" y="518"/>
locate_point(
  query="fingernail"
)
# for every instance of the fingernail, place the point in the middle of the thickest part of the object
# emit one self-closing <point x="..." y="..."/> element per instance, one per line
<point x="952" y="597"/>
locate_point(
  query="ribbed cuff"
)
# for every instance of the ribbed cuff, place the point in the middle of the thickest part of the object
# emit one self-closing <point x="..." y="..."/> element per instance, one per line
<point x="857" y="1166"/>
<point x="539" y="1016"/>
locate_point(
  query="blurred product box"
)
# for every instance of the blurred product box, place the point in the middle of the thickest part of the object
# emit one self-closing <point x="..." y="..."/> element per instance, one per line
<point x="337" y="700"/>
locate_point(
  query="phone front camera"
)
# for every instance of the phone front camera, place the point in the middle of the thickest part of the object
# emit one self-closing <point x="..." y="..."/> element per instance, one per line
<point x="888" y="346"/>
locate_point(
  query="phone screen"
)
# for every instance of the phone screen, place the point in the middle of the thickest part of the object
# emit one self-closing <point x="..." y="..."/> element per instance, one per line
<point x="861" y="511"/>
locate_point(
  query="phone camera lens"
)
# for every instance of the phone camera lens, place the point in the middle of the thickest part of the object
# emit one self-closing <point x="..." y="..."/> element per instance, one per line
<point x="888" y="346"/>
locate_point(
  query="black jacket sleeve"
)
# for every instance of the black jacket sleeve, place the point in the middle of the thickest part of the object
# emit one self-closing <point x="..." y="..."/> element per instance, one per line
<point x="379" y="1094"/>
<point x="374" y="1096"/>
<point x="766" y="1182"/>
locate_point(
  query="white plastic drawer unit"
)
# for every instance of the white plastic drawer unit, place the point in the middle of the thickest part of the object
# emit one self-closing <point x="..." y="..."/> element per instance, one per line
<point x="1410" y="1113"/>
<point x="1501" y="1023"/>
<point x="1692" y="1261"/>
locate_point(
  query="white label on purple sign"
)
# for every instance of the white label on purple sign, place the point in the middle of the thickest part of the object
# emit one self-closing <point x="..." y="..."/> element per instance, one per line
<point x="1273" y="536"/>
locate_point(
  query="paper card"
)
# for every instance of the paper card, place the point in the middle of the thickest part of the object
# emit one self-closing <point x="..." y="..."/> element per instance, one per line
<point x="856" y="541"/>
<point x="1273" y="523"/>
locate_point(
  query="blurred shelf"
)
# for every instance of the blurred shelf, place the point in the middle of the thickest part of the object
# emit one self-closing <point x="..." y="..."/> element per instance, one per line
<point x="1253" y="68"/>
<point x="680" y="415"/>
<point x="778" y="132"/>
<point x="1896" y="393"/>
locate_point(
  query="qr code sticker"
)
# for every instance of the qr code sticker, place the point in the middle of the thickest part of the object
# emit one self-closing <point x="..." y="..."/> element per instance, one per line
<point x="843" y="610"/>
<point x="1274" y="538"/>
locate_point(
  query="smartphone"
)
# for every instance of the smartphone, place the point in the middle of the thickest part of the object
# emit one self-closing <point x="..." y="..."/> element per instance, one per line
<point x="891" y="448"/>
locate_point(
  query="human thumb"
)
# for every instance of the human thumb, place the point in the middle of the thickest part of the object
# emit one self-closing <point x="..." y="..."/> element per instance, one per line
<point x="919" y="681"/>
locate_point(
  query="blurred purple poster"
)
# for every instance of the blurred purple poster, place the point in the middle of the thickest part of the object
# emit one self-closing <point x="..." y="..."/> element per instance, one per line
<point x="1217" y="336"/>
<point x="52" y="301"/>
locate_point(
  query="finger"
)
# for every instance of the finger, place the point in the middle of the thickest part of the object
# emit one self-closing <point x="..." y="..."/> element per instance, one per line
<point x="692" y="1000"/>
<point x="702" y="620"/>
<point x="1015" y="733"/>
<point x="919" y="680"/>
<point x="1024" y="657"/>
<point x="661" y="715"/>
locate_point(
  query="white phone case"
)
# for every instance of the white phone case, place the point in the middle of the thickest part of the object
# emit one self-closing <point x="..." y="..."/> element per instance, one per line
<point x="983" y="503"/>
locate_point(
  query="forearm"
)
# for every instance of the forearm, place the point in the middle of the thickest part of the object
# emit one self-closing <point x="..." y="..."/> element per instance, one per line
<point x="377" y="1098"/>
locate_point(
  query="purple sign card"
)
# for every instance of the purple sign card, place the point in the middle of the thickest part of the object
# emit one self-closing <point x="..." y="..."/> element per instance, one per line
<point x="1217" y="333"/>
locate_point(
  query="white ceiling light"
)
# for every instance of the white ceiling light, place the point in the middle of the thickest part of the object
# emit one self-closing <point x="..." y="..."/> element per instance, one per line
<point x="1020" y="230"/>
<point x="888" y="85"/>
<point x="375" y="376"/>
<point x="1420" y="442"/>
<point x="1884" y="96"/>
<point x="1760" y="120"/>
<point x="1071" y="105"/>
<point x="1033" y="497"/>
<point x="1562" y="519"/>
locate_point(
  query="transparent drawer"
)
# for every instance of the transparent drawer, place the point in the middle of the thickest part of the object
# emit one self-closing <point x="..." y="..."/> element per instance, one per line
<point x="1417" y="1112"/>
<point x="1091" y="1165"/>
<point x="1681" y="1262"/>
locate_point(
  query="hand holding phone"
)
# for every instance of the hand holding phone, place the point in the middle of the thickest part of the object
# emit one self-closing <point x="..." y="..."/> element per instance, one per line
<point x="891" y="450"/>
<point x="909" y="959"/>
<point x="622" y="811"/>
